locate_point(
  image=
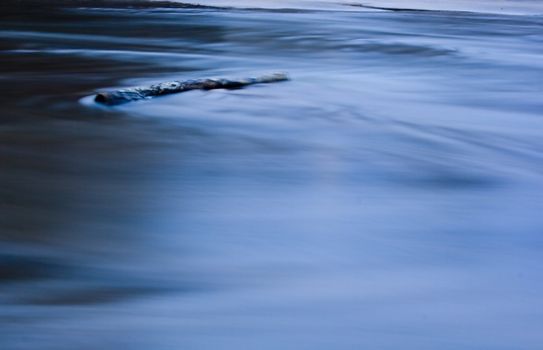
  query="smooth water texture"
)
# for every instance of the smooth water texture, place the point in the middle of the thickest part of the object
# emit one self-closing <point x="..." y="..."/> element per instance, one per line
<point x="388" y="196"/>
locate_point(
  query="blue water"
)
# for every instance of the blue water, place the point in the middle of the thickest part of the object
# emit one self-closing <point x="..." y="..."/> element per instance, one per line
<point x="388" y="196"/>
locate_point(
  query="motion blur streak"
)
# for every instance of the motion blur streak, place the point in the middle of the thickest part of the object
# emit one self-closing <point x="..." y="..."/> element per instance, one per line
<point x="388" y="197"/>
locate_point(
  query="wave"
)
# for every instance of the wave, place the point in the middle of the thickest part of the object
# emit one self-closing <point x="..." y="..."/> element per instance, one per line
<point x="522" y="7"/>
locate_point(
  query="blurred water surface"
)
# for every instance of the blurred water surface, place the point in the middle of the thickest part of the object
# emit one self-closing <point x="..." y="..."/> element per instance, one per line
<point x="388" y="196"/>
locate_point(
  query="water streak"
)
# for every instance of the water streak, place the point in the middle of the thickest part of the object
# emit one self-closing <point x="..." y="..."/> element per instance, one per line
<point x="388" y="196"/>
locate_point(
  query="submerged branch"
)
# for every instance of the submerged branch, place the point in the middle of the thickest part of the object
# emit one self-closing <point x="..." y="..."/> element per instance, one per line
<point x="116" y="97"/>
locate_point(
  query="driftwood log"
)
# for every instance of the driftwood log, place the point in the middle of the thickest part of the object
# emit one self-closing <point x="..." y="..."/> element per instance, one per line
<point x="117" y="97"/>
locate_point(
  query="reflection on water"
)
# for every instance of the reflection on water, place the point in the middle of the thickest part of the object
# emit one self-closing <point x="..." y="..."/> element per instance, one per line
<point x="388" y="196"/>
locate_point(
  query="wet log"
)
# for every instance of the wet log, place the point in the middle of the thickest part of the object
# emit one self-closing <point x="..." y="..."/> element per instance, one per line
<point x="111" y="98"/>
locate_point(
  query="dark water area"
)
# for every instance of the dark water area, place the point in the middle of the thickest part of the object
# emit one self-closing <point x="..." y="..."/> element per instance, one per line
<point x="388" y="196"/>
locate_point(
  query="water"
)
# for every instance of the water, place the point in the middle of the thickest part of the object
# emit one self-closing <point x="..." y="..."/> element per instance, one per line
<point x="388" y="196"/>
